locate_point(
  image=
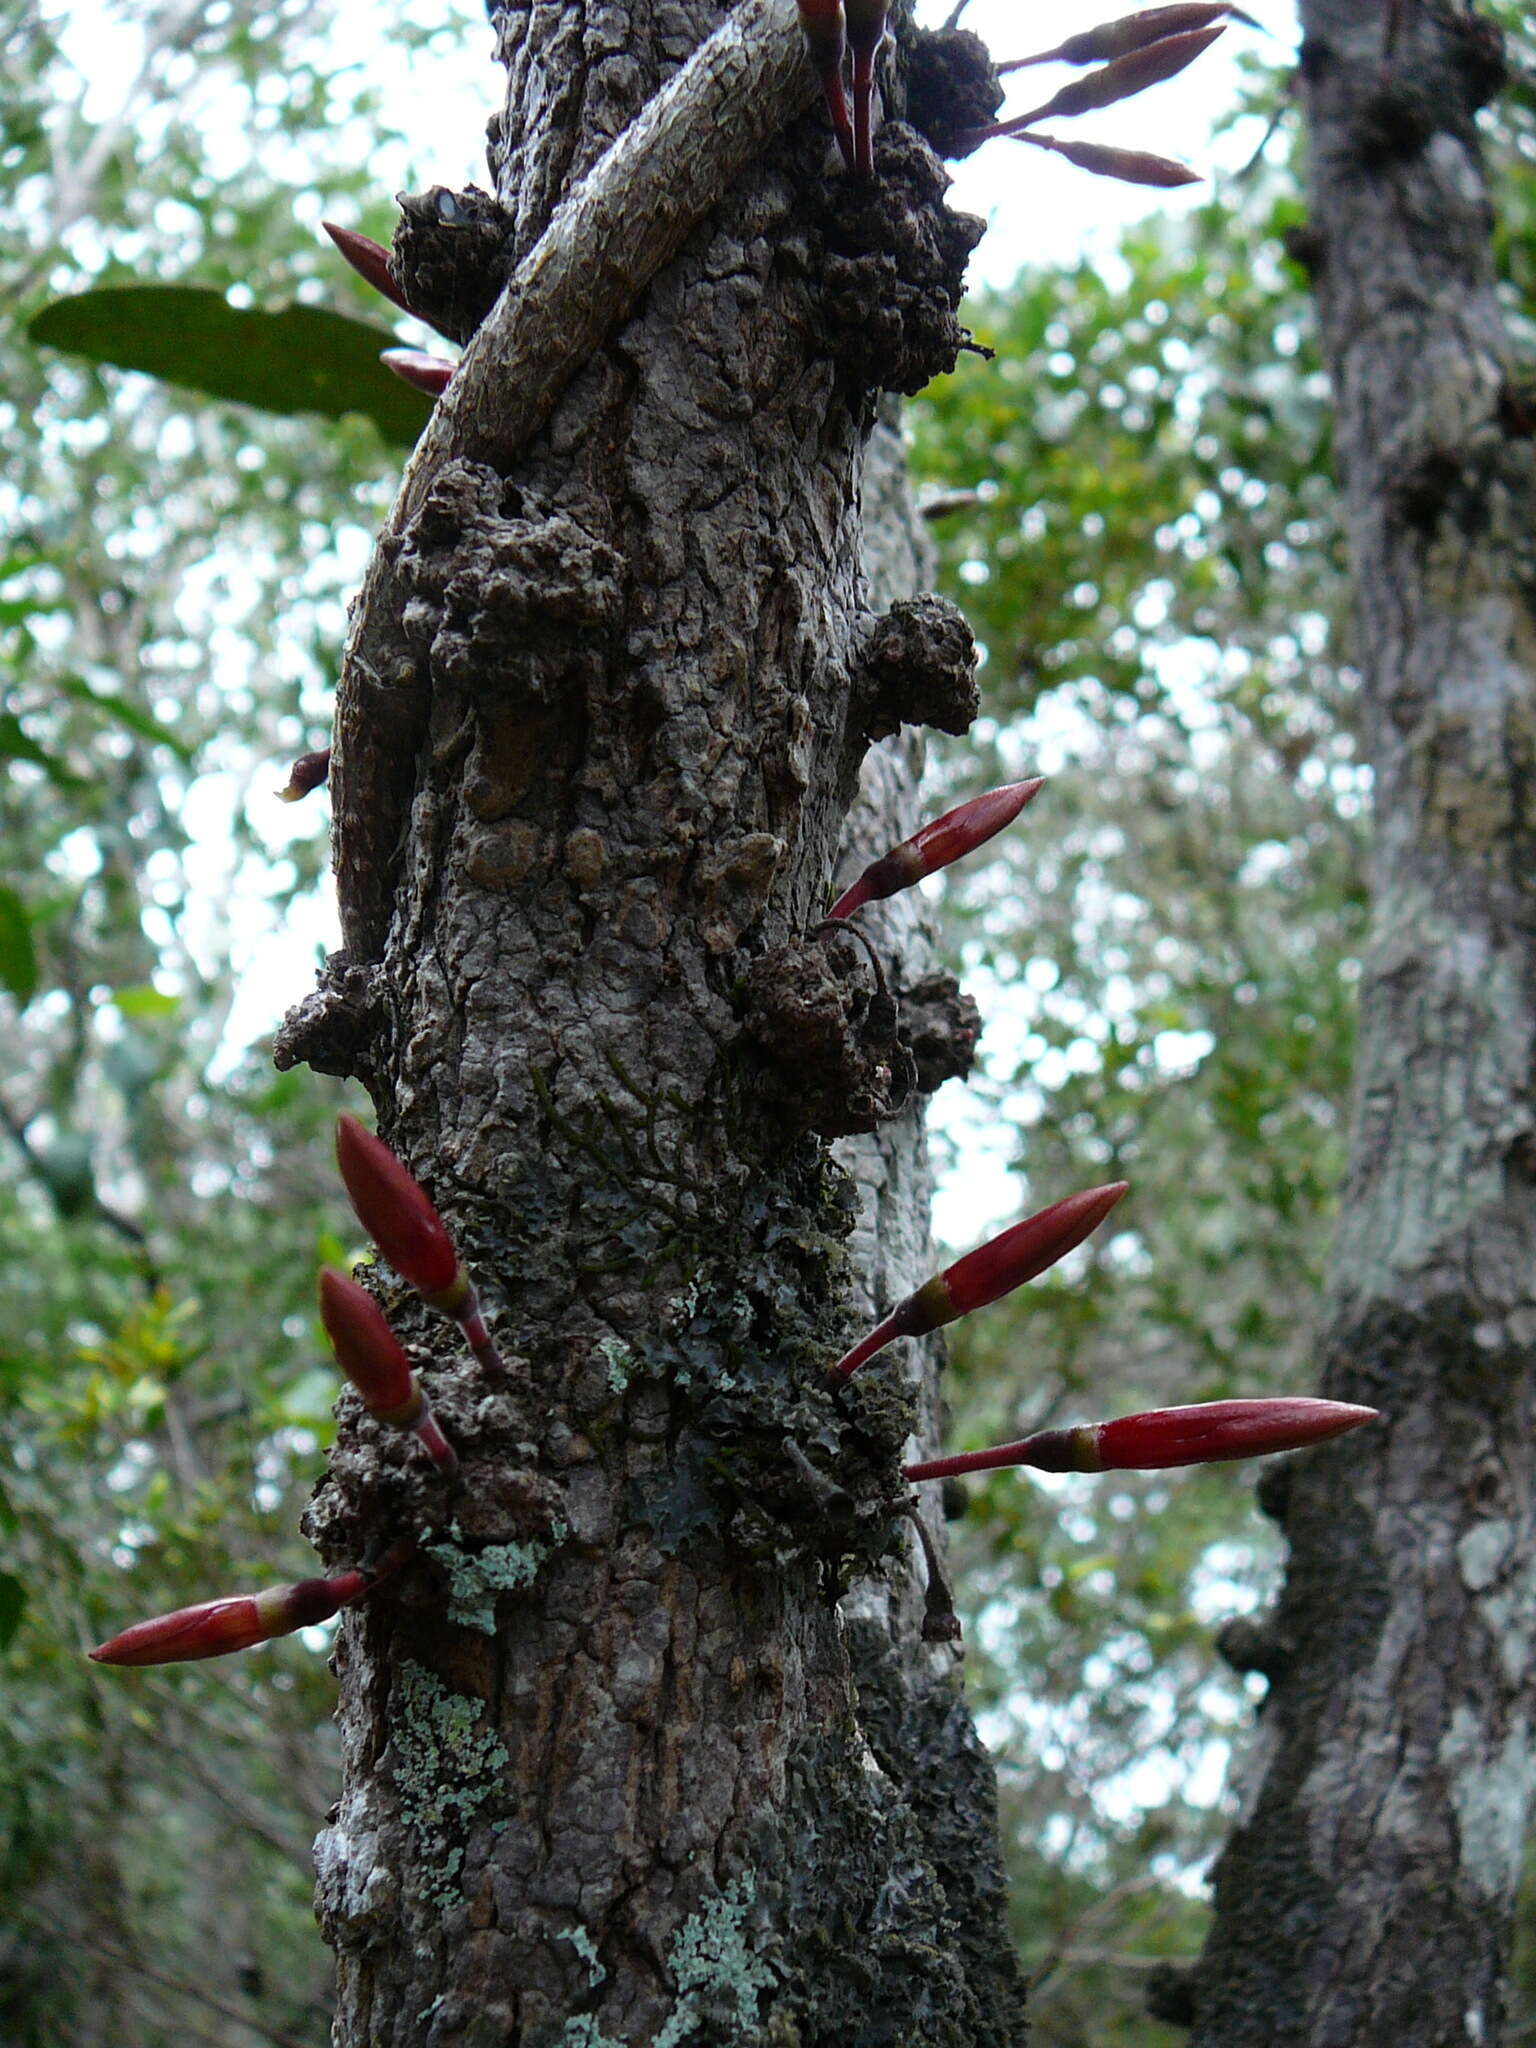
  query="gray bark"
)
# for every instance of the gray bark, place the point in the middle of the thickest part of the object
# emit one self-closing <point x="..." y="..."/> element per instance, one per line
<point x="622" y="1765"/>
<point x="1366" y="1894"/>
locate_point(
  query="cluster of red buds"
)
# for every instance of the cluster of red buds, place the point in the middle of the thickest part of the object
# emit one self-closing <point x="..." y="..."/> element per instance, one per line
<point x="398" y="1214"/>
<point x="370" y="259"/>
<point x="1134" y="52"/>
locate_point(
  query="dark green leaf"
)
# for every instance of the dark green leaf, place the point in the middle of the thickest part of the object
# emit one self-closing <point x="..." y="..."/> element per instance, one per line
<point x="18" y="955"/>
<point x="117" y="710"/>
<point x="302" y="359"/>
<point x="17" y="745"/>
<point x="13" y="1600"/>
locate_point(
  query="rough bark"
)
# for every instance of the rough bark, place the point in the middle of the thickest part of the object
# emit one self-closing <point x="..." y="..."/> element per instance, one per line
<point x="1366" y="1894"/>
<point x="620" y="1768"/>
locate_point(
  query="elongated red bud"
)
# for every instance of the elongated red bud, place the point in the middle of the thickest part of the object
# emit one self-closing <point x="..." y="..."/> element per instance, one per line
<point x="947" y="839"/>
<point x="422" y="372"/>
<point x="371" y="1356"/>
<point x="214" y="1628"/>
<point x="1206" y="1434"/>
<point x="1131" y="32"/>
<point x="398" y="1215"/>
<point x="307" y="773"/>
<point x="866" y="31"/>
<point x="821" y="23"/>
<point x="991" y="1271"/>
<point x="1119" y="81"/>
<point x="1130" y="166"/>
<point x="370" y="259"/>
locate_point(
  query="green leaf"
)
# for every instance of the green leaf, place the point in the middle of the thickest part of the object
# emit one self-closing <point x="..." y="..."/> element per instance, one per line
<point x="17" y="745"/>
<point x="302" y="359"/>
<point x="13" y="1601"/>
<point x="144" y="1001"/>
<point x="18" y="955"/>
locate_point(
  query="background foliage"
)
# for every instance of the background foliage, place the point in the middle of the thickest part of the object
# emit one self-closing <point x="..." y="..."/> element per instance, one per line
<point x="1165" y="948"/>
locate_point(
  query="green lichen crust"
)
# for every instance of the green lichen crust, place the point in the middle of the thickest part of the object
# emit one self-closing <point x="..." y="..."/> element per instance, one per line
<point x="446" y="1766"/>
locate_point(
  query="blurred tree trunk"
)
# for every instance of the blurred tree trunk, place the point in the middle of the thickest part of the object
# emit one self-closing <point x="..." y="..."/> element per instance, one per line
<point x="1366" y="1894"/>
<point x="620" y="1766"/>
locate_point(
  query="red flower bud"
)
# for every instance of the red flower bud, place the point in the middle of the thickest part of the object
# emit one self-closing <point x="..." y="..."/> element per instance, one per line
<point x="398" y="1216"/>
<point x="415" y="367"/>
<point x="213" y="1628"/>
<point x="370" y="1355"/>
<point x="1130" y="166"/>
<point x="1130" y="32"/>
<point x="945" y="840"/>
<point x="370" y="260"/>
<point x="994" y="1269"/>
<point x="1201" y="1435"/>
<point x="821" y="23"/>
<point x="307" y="773"/>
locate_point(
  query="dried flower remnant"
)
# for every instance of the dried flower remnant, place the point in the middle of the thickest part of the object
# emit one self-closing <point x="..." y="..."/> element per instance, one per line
<point x="994" y="1269"/>
<point x="398" y="1215"/>
<point x="371" y="1356"/>
<point x="938" y="845"/>
<point x="1208" y="1433"/>
<point x="308" y="772"/>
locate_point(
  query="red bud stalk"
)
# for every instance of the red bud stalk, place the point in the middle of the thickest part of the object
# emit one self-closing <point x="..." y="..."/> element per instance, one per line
<point x="1206" y="1434"/>
<point x="415" y="367"/>
<point x="866" y="32"/>
<point x="937" y="845"/>
<point x="397" y="1214"/>
<point x="370" y="1354"/>
<point x="214" y="1628"/>
<point x="991" y="1271"/>
<point x="821" y="23"/>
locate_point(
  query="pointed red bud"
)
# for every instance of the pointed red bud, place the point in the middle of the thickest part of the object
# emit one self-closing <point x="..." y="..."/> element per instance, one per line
<point x="991" y="1271"/>
<point x="937" y="845"/>
<point x="1131" y="32"/>
<point x="1206" y="1434"/>
<point x="370" y="1354"/>
<point x="422" y="372"/>
<point x="821" y="23"/>
<point x="214" y="1628"/>
<point x="1130" y="166"/>
<point x="396" y="1213"/>
<point x="1118" y="81"/>
<point x="370" y="260"/>
<point x="307" y="773"/>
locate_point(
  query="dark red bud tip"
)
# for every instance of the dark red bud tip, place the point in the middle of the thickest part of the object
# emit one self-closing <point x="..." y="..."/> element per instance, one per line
<point x="1217" y="1430"/>
<point x="938" y="844"/>
<point x="307" y="773"/>
<point x="396" y="1212"/>
<point x="367" y="1350"/>
<point x="415" y="367"/>
<point x="1025" y="1251"/>
<point x="370" y="260"/>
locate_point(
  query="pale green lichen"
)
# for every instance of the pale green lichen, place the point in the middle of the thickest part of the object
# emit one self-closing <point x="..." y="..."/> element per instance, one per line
<point x="586" y="1948"/>
<point x="584" y="2032"/>
<point x="619" y="1359"/>
<point x="709" y="1957"/>
<point x="445" y="1766"/>
<point x="475" y="1577"/>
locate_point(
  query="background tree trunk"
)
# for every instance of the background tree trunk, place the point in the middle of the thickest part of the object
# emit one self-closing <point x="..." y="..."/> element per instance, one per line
<point x="619" y="1768"/>
<point x="1366" y="1895"/>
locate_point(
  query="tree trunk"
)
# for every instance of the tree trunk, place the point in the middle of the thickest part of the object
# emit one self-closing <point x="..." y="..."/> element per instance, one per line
<point x="622" y="1763"/>
<point x="1366" y="1894"/>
